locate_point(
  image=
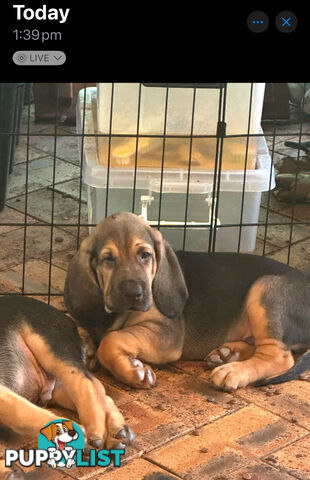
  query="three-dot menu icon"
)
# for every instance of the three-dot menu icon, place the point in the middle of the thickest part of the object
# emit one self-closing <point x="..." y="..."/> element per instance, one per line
<point x="258" y="21"/>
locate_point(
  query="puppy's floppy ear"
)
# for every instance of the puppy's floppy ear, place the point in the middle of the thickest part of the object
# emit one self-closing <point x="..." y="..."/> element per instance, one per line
<point x="169" y="289"/>
<point x="86" y="258"/>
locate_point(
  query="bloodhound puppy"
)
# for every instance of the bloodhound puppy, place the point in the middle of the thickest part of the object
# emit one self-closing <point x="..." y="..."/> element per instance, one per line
<point x="141" y="302"/>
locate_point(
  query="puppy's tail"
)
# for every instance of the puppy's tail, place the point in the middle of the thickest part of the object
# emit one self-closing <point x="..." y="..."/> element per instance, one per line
<point x="302" y="364"/>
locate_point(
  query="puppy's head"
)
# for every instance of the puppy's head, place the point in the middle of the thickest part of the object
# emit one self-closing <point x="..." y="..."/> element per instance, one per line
<point x="133" y="266"/>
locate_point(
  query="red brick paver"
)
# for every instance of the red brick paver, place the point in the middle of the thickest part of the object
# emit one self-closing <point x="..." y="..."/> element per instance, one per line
<point x="294" y="459"/>
<point x="226" y="444"/>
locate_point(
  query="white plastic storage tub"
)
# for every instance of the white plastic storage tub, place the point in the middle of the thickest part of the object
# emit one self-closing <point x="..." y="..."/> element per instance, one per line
<point x="131" y="109"/>
<point x="157" y="195"/>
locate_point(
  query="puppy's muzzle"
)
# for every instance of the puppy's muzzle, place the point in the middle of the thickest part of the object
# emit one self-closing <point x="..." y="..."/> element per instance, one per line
<point x="132" y="290"/>
<point x="132" y="295"/>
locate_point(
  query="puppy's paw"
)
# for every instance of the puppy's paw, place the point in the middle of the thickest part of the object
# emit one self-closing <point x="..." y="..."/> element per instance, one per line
<point x="117" y="433"/>
<point x="220" y="356"/>
<point x="122" y="438"/>
<point x="230" y="352"/>
<point x="230" y="376"/>
<point x="141" y="375"/>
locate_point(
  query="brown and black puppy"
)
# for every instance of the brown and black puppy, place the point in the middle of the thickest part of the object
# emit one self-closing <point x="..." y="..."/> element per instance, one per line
<point x="42" y="364"/>
<point x="141" y="302"/>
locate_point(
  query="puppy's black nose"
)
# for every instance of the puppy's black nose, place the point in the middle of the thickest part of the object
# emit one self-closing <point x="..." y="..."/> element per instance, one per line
<point x="132" y="290"/>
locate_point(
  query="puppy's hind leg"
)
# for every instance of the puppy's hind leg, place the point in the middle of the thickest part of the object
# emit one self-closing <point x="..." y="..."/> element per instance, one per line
<point x="118" y="433"/>
<point x="24" y="418"/>
<point x="21" y="416"/>
<point x="272" y="357"/>
<point x="61" y="398"/>
<point x="79" y="389"/>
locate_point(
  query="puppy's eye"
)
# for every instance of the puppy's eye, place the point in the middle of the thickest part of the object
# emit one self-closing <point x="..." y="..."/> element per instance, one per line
<point x="108" y="258"/>
<point x="145" y="256"/>
<point x="65" y="429"/>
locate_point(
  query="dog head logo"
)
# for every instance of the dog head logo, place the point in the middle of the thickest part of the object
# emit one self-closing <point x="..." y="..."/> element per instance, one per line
<point x="61" y="438"/>
<point x="60" y="433"/>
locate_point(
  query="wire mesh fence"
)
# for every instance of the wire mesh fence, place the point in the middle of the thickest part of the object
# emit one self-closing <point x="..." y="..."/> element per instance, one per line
<point x="207" y="164"/>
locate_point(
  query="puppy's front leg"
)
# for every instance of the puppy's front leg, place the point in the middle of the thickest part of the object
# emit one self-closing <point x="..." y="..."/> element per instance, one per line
<point x="124" y="351"/>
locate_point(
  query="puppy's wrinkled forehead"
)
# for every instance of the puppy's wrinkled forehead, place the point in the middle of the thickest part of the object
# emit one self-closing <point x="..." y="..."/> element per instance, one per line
<point x="123" y="229"/>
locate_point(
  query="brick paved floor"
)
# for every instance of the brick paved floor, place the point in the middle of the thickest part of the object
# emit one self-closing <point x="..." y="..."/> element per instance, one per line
<point x="183" y="427"/>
